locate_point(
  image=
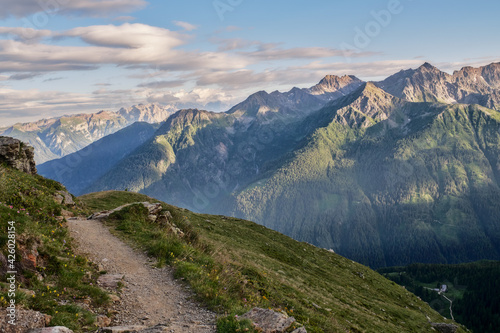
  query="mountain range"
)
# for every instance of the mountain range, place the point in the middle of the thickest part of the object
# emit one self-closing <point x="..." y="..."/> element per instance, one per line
<point x="386" y="173"/>
<point x="57" y="137"/>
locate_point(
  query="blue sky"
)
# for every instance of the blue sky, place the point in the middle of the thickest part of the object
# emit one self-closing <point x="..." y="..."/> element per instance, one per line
<point x="69" y="56"/>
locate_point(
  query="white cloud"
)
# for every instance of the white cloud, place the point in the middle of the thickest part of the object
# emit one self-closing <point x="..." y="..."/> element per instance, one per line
<point x="94" y="8"/>
<point x="161" y="84"/>
<point x="185" y="25"/>
<point x="128" y="35"/>
<point x="27" y="35"/>
<point x="124" y="45"/>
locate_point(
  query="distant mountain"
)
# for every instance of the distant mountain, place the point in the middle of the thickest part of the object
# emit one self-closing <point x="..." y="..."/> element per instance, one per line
<point x="297" y="102"/>
<point x="429" y="84"/>
<point x="385" y="173"/>
<point x="57" y="137"/>
<point x="332" y="87"/>
<point x="80" y="169"/>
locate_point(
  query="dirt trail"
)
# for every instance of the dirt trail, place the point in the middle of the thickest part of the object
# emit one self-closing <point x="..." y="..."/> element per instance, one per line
<point x="150" y="296"/>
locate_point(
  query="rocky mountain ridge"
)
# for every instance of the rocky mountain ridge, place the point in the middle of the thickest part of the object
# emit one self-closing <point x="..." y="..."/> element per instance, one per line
<point x="58" y="137"/>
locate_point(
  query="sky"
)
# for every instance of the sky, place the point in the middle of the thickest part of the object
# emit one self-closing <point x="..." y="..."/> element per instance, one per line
<point x="81" y="56"/>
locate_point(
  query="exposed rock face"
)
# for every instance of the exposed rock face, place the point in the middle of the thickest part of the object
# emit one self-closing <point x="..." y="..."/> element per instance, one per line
<point x="17" y="155"/>
<point x="25" y="320"/>
<point x="445" y="328"/>
<point x="269" y="321"/>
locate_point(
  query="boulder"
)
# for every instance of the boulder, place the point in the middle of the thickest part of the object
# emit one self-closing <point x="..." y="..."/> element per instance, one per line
<point x="103" y="321"/>
<point x="164" y="218"/>
<point x="301" y="329"/>
<point x="54" y="329"/>
<point x="17" y="155"/>
<point x="64" y="198"/>
<point x="153" y="208"/>
<point x="269" y="321"/>
<point x="109" y="280"/>
<point x="444" y="328"/>
<point x="25" y="320"/>
<point x="122" y="329"/>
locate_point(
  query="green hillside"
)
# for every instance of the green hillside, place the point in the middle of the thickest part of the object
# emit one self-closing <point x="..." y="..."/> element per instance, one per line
<point x="51" y="278"/>
<point x="234" y="265"/>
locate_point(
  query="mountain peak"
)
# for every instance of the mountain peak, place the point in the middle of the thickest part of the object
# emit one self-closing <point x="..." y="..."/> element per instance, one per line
<point x="428" y="67"/>
<point x="332" y="86"/>
<point x="333" y="82"/>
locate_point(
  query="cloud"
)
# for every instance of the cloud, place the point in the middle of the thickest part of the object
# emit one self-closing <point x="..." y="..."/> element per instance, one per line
<point x="23" y="76"/>
<point x="54" y="79"/>
<point x="27" y="35"/>
<point x="127" y="35"/>
<point x="93" y="8"/>
<point x="162" y="84"/>
<point x="273" y="51"/>
<point x="126" y="45"/>
<point x="185" y="25"/>
<point x="197" y="98"/>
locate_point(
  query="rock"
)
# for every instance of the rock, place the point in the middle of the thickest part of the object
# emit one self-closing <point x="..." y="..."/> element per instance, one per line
<point x="66" y="213"/>
<point x="122" y="329"/>
<point x="63" y="197"/>
<point x="55" y="329"/>
<point x="154" y="208"/>
<point x="17" y="155"/>
<point x="3" y="264"/>
<point x="152" y="217"/>
<point x="109" y="280"/>
<point x="164" y="218"/>
<point x="178" y="232"/>
<point x="28" y="292"/>
<point x="25" y="320"/>
<point x="114" y="298"/>
<point x="269" y="321"/>
<point x="444" y="328"/>
<point x="28" y="250"/>
<point x="160" y="328"/>
<point x="300" y="330"/>
<point x="102" y="321"/>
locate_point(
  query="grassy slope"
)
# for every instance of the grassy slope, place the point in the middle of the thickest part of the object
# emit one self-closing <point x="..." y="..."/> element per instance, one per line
<point x="234" y="265"/>
<point x="63" y="283"/>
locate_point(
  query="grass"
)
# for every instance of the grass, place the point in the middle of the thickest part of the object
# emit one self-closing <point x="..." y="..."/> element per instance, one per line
<point x="234" y="265"/>
<point x="62" y="284"/>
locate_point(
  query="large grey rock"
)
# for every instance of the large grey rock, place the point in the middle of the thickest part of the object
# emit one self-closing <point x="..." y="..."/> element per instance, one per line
<point x="153" y="208"/>
<point x="445" y="328"/>
<point x="109" y="280"/>
<point x="17" y="154"/>
<point x="269" y="321"/>
<point x="64" y="198"/>
<point x="122" y="329"/>
<point x="25" y="320"/>
<point x="54" y="329"/>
